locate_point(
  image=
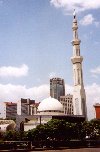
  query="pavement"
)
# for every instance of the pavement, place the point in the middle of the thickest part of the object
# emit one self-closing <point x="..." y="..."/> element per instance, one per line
<point x="59" y="150"/>
<point x="74" y="150"/>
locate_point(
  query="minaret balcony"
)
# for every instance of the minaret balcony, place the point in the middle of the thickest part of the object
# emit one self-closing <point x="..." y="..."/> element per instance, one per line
<point x="77" y="59"/>
<point x="75" y="27"/>
<point x="76" y="42"/>
<point x="74" y="20"/>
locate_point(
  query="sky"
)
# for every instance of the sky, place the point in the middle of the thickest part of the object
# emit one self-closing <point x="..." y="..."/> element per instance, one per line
<point x="35" y="45"/>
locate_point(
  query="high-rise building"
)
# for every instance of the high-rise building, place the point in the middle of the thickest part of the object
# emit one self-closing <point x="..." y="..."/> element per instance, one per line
<point x="24" y="107"/>
<point x="11" y="110"/>
<point x="67" y="103"/>
<point x="8" y="110"/>
<point x="79" y="96"/>
<point x="57" y="88"/>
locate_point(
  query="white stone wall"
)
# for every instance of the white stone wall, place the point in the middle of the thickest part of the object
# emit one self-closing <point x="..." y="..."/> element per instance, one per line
<point x="28" y="126"/>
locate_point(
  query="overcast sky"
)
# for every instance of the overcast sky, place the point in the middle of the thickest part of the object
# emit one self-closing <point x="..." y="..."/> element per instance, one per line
<point x="35" y="45"/>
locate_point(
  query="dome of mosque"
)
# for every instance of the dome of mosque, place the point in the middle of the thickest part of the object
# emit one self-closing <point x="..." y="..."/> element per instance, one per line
<point x="50" y="104"/>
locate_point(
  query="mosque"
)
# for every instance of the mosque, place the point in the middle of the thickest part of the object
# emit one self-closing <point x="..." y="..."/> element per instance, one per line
<point x="51" y="108"/>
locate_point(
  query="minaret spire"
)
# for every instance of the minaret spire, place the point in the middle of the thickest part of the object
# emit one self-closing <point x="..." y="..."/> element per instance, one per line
<point x="79" y="97"/>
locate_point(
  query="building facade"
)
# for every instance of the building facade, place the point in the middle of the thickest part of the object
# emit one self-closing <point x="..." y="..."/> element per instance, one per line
<point x="26" y="107"/>
<point x="67" y="102"/>
<point x="2" y="110"/>
<point x="97" y="110"/>
<point x="34" y="108"/>
<point x="57" y="88"/>
<point x="8" y="110"/>
<point x="11" y="110"/>
<point x="79" y="96"/>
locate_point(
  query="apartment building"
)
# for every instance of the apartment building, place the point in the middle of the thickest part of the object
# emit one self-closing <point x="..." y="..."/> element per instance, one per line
<point x="67" y="103"/>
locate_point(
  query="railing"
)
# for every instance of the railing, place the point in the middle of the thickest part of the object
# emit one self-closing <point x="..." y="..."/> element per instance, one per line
<point x="12" y="145"/>
<point x="28" y="145"/>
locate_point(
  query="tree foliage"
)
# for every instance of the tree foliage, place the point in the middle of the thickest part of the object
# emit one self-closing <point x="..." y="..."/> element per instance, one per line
<point x="58" y="130"/>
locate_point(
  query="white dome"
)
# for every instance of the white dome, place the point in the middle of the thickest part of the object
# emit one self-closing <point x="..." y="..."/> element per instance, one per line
<point x="50" y="104"/>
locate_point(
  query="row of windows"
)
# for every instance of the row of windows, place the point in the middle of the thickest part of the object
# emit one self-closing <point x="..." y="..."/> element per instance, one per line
<point x="67" y="105"/>
<point x="66" y="99"/>
<point x="70" y="112"/>
<point x="69" y="109"/>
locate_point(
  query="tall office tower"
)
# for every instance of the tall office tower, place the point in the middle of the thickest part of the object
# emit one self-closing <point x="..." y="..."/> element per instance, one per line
<point x="67" y="103"/>
<point x="24" y="107"/>
<point x="79" y="96"/>
<point x="57" y="88"/>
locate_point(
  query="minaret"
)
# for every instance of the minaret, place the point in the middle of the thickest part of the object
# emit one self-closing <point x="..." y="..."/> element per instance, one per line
<point x="79" y="96"/>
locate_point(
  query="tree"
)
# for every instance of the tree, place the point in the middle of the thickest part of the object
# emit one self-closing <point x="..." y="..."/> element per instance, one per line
<point x="15" y="135"/>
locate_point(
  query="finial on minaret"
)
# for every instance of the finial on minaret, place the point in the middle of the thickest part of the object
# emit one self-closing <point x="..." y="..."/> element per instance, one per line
<point x="74" y="14"/>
